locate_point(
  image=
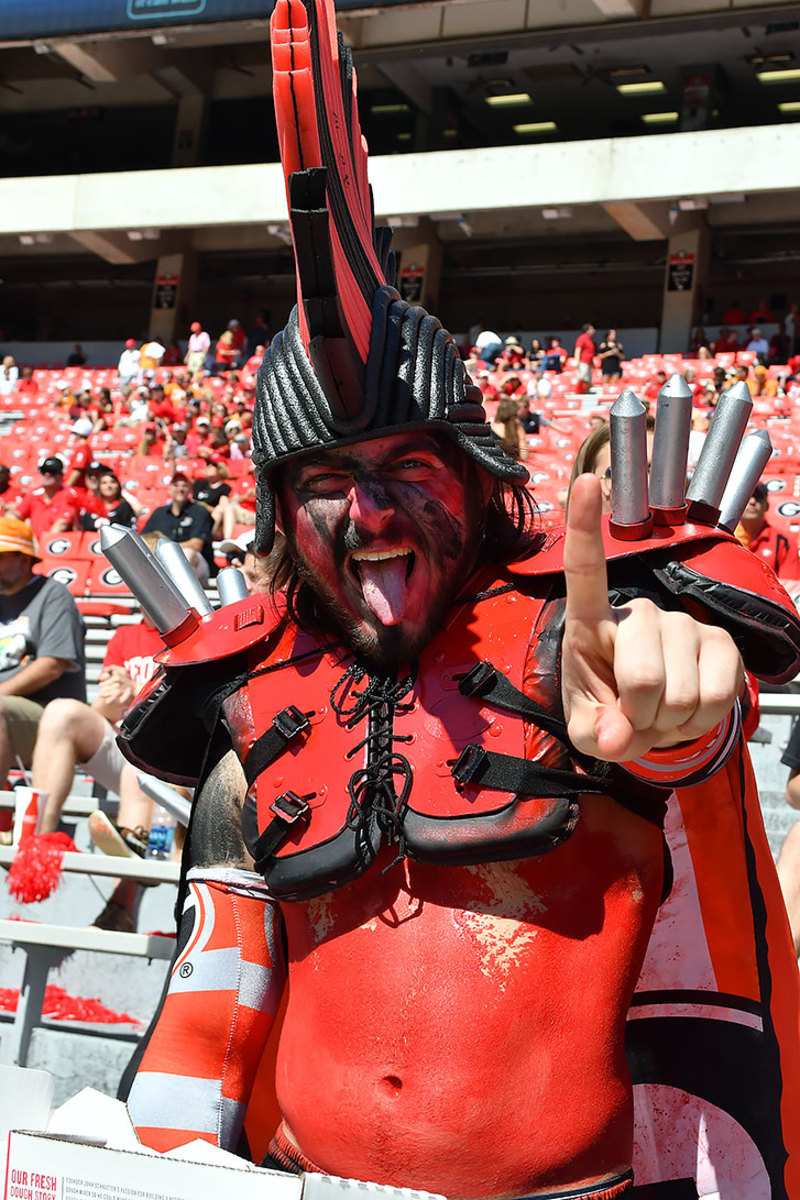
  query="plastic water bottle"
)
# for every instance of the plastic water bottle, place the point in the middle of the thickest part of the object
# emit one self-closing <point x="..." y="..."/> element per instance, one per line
<point x="162" y="835"/>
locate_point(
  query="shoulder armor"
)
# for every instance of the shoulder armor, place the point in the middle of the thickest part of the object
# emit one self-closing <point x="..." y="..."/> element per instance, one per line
<point x="228" y="631"/>
<point x="710" y="574"/>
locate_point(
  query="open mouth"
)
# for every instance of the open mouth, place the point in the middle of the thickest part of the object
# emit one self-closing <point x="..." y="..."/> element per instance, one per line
<point x="383" y="577"/>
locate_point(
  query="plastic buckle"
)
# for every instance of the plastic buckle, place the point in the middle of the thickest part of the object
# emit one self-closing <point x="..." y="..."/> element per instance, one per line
<point x="290" y="721"/>
<point x="470" y="764"/>
<point x="476" y="679"/>
<point x="289" y="807"/>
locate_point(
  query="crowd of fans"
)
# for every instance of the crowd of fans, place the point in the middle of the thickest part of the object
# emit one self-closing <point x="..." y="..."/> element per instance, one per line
<point x="163" y="444"/>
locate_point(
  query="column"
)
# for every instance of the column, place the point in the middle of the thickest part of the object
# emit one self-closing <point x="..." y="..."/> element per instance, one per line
<point x="686" y="276"/>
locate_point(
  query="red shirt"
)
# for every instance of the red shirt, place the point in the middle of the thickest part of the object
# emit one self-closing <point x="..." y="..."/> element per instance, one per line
<point x="584" y="348"/>
<point x="134" y="647"/>
<point x="779" y="550"/>
<point x="43" y="512"/>
<point x="81" y="457"/>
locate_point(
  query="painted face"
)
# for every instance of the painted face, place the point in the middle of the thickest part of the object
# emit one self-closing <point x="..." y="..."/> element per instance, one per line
<point x="386" y="532"/>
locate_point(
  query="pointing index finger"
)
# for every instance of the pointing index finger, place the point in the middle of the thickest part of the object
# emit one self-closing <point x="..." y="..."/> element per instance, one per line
<point x="584" y="554"/>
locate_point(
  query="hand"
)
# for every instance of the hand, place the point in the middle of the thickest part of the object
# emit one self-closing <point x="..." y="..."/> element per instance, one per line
<point x="115" y="686"/>
<point x="633" y="678"/>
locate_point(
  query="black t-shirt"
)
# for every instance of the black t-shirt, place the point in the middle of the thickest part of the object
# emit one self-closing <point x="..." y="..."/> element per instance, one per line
<point x="210" y="493"/>
<point x="120" y="514"/>
<point x="193" y="521"/>
<point x="611" y="364"/>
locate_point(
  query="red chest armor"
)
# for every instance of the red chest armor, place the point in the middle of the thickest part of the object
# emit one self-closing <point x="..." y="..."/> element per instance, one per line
<point x="401" y="760"/>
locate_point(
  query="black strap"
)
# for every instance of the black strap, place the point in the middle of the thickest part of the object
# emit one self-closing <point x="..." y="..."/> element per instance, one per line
<point x="486" y="681"/>
<point x="507" y="773"/>
<point x="286" y="725"/>
<point x="288" y="809"/>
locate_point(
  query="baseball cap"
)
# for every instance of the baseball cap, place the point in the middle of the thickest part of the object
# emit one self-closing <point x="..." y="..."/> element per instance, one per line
<point x="236" y="545"/>
<point x="94" y="467"/>
<point x="131" y="342"/>
<point x="233" y="323"/>
<point x="180" y="477"/>
<point x="82" y="427"/>
<point x="17" y="537"/>
<point x="203" y="421"/>
<point x="51" y="466"/>
<point x="232" y="424"/>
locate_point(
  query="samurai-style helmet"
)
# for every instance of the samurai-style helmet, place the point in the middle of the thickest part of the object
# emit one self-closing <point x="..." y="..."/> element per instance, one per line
<point x="355" y="360"/>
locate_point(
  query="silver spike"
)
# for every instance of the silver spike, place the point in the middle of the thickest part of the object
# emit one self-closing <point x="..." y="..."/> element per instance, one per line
<point x="628" y="420"/>
<point x="754" y="454"/>
<point x="719" y="451"/>
<point x="139" y="569"/>
<point x="671" y="445"/>
<point x="231" y="585"/>
<point x="176" y="565"/>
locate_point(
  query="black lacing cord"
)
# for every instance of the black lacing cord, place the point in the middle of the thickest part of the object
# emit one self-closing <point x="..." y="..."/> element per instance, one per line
<point x="372" y="788"/>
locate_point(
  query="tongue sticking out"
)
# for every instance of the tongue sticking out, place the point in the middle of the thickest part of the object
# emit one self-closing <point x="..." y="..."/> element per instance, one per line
<point x="383" y="586"/>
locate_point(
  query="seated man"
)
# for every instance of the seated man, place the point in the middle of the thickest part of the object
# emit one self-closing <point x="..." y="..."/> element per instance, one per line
<point x="187" y="523"/>
<point x="41" y="645"/>
<point x="73" y="733"/>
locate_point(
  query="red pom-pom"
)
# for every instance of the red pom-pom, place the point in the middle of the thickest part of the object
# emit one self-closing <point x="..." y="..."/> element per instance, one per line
<point x="35" y="870"/>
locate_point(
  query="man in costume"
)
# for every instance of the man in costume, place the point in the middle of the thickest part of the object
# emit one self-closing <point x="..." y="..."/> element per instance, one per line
<point x="436" y="769"/>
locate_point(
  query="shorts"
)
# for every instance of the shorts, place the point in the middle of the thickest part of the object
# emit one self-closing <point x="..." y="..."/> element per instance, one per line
<point x="585" y="372"/>
<point x="23" y="716"/>
<point x="283" y="1155"/>
<point x="105" y="765"/>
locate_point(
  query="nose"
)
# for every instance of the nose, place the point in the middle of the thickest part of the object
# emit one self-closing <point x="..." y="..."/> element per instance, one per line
<point x="370" y="504"/>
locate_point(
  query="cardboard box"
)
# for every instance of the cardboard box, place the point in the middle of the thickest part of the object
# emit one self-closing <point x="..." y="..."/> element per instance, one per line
<point x="45" y="1166"/>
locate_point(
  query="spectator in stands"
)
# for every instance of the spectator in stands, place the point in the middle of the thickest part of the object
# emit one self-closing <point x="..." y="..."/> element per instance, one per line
<point x="704" y="353"/>
<point x="583" y="354"/>
<point x="654" y="386"/>
<point x="128" y="365"/>
<point x="187" y="523"/>
<point x="197" y="348"/>
<point x="758" y="343"/>
<point x="151" y="353"/>
<point x="152" y="443"/>
<point x="9" y="374"/>
<point x="115" y="507"/>
<point x="611" y="353"/>
<point x="788" y="863"/>
<point x="41" y="645"/>
<point x="173" y="356"/>
<point x="536" y="355"/>
<point x="260" y="334"/>
<point x="8" y="493"/>
<point x="77" y="358"/>
<point x="80" y="455"/>
<point x="258" y="572"/>
<point x="239" y="342"/>
<point x="700" y="340"/>
<point x="508" y="430"/>
<point x="762" y="314"/>
<point x="199" y="438"/>
<point x="778" y="549"/>
<point x="727" y="342"/>
<point x="779" y="346"/>
<point x="211" y="487"/>
<point x="734" y="315"/>
<point x="513" y="357"/>
<point x="52" y="507"/>
<point x="488" y="344"/>
<point x="239" y="508"/>
<point x="224" y="353"/>
<point x="175" y="447"/>
<point x="72" y="733"/>
<point x="555" y="355"/>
